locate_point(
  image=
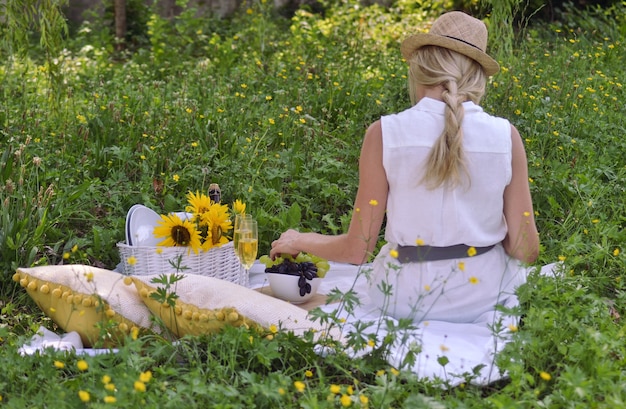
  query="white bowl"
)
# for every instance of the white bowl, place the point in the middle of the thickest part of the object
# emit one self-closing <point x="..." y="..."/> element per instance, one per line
<point x="285" y="287"/>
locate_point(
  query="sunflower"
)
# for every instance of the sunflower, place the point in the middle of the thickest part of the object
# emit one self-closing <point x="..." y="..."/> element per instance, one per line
<point x="239" y="207"/>
<point x="199" y="203"/>
<point x="178" y="232"/>
<point x="217" y="220"/>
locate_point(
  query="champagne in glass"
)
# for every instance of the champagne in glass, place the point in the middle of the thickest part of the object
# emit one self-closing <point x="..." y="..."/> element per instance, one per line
<point x="237" y="230"/>
<point x="248" y="243"/>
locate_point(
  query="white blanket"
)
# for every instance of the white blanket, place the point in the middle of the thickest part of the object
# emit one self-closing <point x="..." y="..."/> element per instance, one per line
<point x="465" y="346"/>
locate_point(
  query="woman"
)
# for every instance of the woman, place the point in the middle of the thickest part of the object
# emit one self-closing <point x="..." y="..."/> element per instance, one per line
<point x="452" y="181"/>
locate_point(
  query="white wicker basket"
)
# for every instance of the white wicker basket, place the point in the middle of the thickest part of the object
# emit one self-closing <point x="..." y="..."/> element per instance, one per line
<point x="219" y="262"/>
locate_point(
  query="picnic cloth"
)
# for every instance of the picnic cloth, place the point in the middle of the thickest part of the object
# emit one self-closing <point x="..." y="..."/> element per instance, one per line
<point x="45" y="339"/>
<point x="447" y="350"/>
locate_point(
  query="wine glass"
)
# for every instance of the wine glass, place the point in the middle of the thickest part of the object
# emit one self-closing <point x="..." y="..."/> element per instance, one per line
<point x="237" y="230"/>
<point x="248" y="243"/>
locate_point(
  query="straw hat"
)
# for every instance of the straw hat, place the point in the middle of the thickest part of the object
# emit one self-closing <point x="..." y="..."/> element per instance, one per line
<point x="458" y="32"/>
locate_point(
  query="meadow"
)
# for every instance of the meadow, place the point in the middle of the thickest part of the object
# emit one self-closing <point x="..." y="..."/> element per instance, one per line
<point x="274" y="110"/>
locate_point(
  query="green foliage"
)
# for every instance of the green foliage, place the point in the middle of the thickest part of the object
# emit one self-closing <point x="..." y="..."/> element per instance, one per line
<point x="564" y="101"/>
<point x="501" y="26"/>
<point x="22" y="19"/>
<point x="274" y="110"/>
<point x="24" y="217"/>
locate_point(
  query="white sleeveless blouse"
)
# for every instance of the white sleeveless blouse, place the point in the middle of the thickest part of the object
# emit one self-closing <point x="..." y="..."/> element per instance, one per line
<point x="470" y="214"/>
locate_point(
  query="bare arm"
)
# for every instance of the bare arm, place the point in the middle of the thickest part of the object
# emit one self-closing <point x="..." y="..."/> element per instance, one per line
<point x="522" y="240"/>
<point x="369" y="210"/>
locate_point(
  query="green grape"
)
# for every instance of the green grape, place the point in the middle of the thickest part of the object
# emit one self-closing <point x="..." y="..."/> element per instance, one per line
<point x="302" y="257"/>
<point x="322" y="268"/>
<point x="266" y="260"/>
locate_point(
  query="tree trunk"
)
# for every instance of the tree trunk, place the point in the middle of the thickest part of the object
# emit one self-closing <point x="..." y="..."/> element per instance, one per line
<point x="120" y="24"/>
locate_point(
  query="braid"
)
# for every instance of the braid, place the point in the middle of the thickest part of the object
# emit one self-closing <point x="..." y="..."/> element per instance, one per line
<point x="453" y="133"/>
<point x="446" y="159"/>
<point x="462" y="80"/>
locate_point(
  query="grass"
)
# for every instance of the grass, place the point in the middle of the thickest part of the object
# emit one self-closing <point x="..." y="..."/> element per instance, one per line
<point x="274" y="109"/>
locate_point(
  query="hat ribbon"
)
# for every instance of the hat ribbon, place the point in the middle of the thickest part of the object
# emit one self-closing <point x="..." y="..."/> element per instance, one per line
<point x="463" y="41"/>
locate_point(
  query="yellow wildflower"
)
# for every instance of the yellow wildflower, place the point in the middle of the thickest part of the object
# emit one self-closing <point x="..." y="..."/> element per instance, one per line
<point x="82" y="365"/>
<point x="139" y="386"/>
<point x="84" y="396"/>
<point x="145" y="376"/>
<point x="110" y="399"/>
<point x="299" y="385"/>
<point x="471" y="251"/>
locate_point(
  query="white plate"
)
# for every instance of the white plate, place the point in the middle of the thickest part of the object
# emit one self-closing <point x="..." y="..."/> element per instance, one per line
<point x="184" y="215"/>
<point x="127" y="228"/>
<point x="142" y="222"/>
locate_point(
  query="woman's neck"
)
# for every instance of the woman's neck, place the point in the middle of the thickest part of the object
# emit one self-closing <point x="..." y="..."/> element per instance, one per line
<point x="430" y="92"/>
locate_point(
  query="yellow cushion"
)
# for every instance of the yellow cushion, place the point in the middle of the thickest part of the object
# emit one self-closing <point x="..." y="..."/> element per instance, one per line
<point x="204" y="305"/>
<point x="92" y="301"/>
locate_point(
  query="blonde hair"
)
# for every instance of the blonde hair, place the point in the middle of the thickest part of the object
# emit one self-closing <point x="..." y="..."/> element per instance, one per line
<point x="463" y="79"/>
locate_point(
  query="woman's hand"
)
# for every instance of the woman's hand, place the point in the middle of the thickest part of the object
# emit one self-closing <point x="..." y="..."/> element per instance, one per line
<point x="285" y="244"/>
